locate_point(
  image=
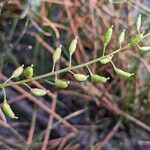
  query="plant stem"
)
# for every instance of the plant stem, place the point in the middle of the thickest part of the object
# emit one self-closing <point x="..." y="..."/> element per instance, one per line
<point x="27" y="86"/>
<point x="8" y="79"/>
<point x="104" y="49"/>
<point x="89" y="70"/>
<point x="113" y="64"/>
<point x="4" y="92"/>
<point x="147" y="35"/>
<point x="68" y="68"/>
<point x="53" y="67"/>
<point x="70" y="59"/>
<point x="63" y="70"/>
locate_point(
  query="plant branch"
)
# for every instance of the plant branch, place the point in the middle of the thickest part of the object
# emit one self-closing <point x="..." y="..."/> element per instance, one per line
<point x="63" y="70"/>
<point x="67" y="68"/>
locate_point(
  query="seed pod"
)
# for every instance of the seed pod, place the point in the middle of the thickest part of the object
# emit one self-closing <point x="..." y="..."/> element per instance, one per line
<point x="61" y="84"/>
<point x="108" y="35"/>
<point x="145" y="48"/>
<point x="121" y="36"/>
<point x="38" y="92"/>
<point x="98" y="79"/>
<point x="17" y="72"/>
<point x="28" y="72"/>
<point x="8" y="111"/>
<point x="106" y="60"/>
<point x="122" y="73"/>
<point x="136" y="40"/>
<point x="138" y="23"/>
<point x="80" y="77"/>
<point x="73" y="45"/>
<point x="57" y="54"/>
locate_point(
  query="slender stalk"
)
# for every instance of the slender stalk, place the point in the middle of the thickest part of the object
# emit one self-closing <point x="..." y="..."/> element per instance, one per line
<point x="104" y="49"/>
<point x="89" y="70"/>
<point x="55" y="77"/>
<point x="4" y="92"/>
<point x="63" y="70"/>
<point x="71" y="72"/>
<point x="70" y="60"/>
<point x="8" y="79"/>
<point x="113" y="64"/>
<point x="27" y="86"/>
<point x="147" y="35"/>
<point x="120" y="45"/>
<point x="49" y="82"/>
<point x="53" y="67"/>
<point x="68" y="68"/>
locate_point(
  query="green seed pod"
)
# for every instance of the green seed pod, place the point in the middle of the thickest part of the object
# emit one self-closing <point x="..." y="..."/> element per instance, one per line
<point x="28" y="72"/>
<point x="138" y="23"/>
<point x="73" y="45"/>
<point x="98" y="79"/>
<point x="8" y="111"/>
<point x="38" y="92"/>
<point x="80" y="77"/>
<point x="121" y="36"/>
<point x="108" y="35"/>
<point x="106" y="60"/>
<point x="57" y="54"/>
<point x="145" y="48"/>
<point x="122" y="73"/>
<point x="136" y="40"/>
<point x="61" y="84"/>
<point x="17" y="72"/>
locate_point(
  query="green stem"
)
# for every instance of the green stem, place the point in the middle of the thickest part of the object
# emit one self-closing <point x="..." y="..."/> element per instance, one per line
<point x="27" y="86"/>
<point x="113" y="64"/>
<point x="71" y="72"/>
<point x="8" y="80"/>
<point x="89" y="70"/>
<point x="53" y="67"/>
<point x="70" y="59"/>
<point x="68" y="68"/>
<point x="147" y="35"/>
<point x="63" y="70"/>
<point x="49" y="82"/>
<point x="104" y="49"/>
<point x="4" y="92"/>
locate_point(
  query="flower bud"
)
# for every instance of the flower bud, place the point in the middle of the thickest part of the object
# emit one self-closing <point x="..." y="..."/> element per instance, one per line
<point x="145" y="48"/>
<point x="80" y="77"/>
<point x="28" y="72"/>
<point x="121" y="36"/>
<point x="73" y="45"/>
<point x="61" y="84"/>
<point x="57" y="54"/>
<point x="17" y="72"/>
<point x="8" y="111"/>
<point x="136" y="40"/>
<point x="38" y="92"/>
<point x="108" y="35"/>
<point x="122" y="73"/>
<point x="106" y="60"/>
<point x="98" y="79"/>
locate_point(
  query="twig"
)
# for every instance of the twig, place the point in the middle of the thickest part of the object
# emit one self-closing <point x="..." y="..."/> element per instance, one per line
<point x="32" y="126"/>
<point x="65" y="139"/>
<point x="5" y="125"/>
<point x="50" y="121"/>
<point x="11" y="144"/>
<point x="100" y="145"/>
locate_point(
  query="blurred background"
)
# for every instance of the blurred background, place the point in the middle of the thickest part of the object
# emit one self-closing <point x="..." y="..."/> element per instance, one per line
<point x="85" y="116"/>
